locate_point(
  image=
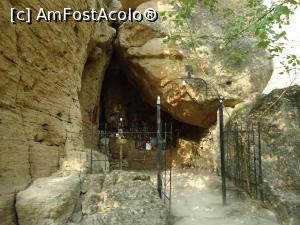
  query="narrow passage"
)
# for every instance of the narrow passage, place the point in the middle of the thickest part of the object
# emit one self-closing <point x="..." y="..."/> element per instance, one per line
<point x="197" y="200"/>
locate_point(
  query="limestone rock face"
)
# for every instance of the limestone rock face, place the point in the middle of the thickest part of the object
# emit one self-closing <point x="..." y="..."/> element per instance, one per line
<point x="51" y="76"/>
<point x="155" y="68"/>
<point x="133" y="4"/>
<point x="279" y="115"/>
<point x="48" y="200"/>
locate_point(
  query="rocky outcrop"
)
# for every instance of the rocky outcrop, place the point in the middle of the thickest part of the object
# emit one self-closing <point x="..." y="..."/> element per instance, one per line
<point x="155" y="68"/>
<point x="86" y="210"/>
<point x="51" y="76"/>
<point x="278" y="114"/>
<point x="48" y="200"/>
<point x="128" y="198"/>
<point x="117" y="198"/>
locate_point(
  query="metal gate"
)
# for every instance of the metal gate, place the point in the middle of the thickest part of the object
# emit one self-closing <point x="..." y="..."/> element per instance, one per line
<point x="243" y="157"/>
<point x="240" y="150"/>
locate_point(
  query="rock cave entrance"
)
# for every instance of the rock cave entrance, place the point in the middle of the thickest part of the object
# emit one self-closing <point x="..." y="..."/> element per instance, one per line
<point x="121" y="99"/>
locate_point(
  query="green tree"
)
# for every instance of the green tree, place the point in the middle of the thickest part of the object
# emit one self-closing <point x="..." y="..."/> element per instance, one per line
<point x="257" y="20"/>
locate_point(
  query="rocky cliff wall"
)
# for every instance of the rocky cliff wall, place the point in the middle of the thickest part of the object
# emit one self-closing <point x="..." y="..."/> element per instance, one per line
<point x="156" y="67"/>
<point x="279" y="118"/>
<point x="50" y="84"/>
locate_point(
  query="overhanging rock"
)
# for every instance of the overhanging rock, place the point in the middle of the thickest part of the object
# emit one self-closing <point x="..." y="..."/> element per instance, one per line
<point x="155" y="68"/>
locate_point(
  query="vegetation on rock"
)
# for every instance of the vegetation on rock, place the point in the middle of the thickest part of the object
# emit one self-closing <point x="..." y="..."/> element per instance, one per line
<point x="246" y="19"/>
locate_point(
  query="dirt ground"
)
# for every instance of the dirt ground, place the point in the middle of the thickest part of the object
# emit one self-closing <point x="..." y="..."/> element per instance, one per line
<point x="197" y="199"/>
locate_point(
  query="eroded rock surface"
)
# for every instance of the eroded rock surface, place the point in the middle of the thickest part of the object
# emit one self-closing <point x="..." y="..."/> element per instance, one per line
<point x="133" y="4"/>
<point x="48" y="200"/>
<point x="119" y="198"/>
<point x="51" y="76"/>
<point x="155" y="68"/>
<point x="128" y="198"/>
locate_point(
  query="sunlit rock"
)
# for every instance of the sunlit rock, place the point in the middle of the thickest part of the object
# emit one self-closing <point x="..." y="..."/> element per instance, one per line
<point x="48" y="200"/>
<point x="156" y="68"/>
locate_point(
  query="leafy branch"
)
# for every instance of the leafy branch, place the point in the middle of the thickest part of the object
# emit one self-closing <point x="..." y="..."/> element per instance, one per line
<point x="263" y="23"/>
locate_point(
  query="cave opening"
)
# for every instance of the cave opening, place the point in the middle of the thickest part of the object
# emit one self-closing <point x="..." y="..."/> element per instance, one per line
<point x="123" y="105"/>
<point x="121" y="99"/>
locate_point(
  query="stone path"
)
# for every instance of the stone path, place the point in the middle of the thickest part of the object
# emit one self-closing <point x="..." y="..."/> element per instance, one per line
<point x="197" y="200"/>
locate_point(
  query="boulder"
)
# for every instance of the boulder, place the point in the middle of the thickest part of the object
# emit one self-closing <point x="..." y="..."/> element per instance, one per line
<point x="48" y="201"/>
<point x="155" y="68"/>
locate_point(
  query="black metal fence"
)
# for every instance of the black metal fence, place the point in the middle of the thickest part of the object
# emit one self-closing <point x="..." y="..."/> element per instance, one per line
<point x="166" y="166"/>
<point x="240" y="156"/>
<point x="243" y="162"/>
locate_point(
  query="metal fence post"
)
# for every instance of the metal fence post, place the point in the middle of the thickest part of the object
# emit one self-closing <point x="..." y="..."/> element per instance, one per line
<point x="222" y="149"/>
<point x="171" y="149"/>
<point x="260" y="162"/>
<point x="158" y="159"/>
<point x="165" y="162"/>
<point x="105" y="145"/>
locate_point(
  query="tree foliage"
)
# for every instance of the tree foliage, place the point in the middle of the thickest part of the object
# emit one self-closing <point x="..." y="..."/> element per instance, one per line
<point x="256" y="20"/>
